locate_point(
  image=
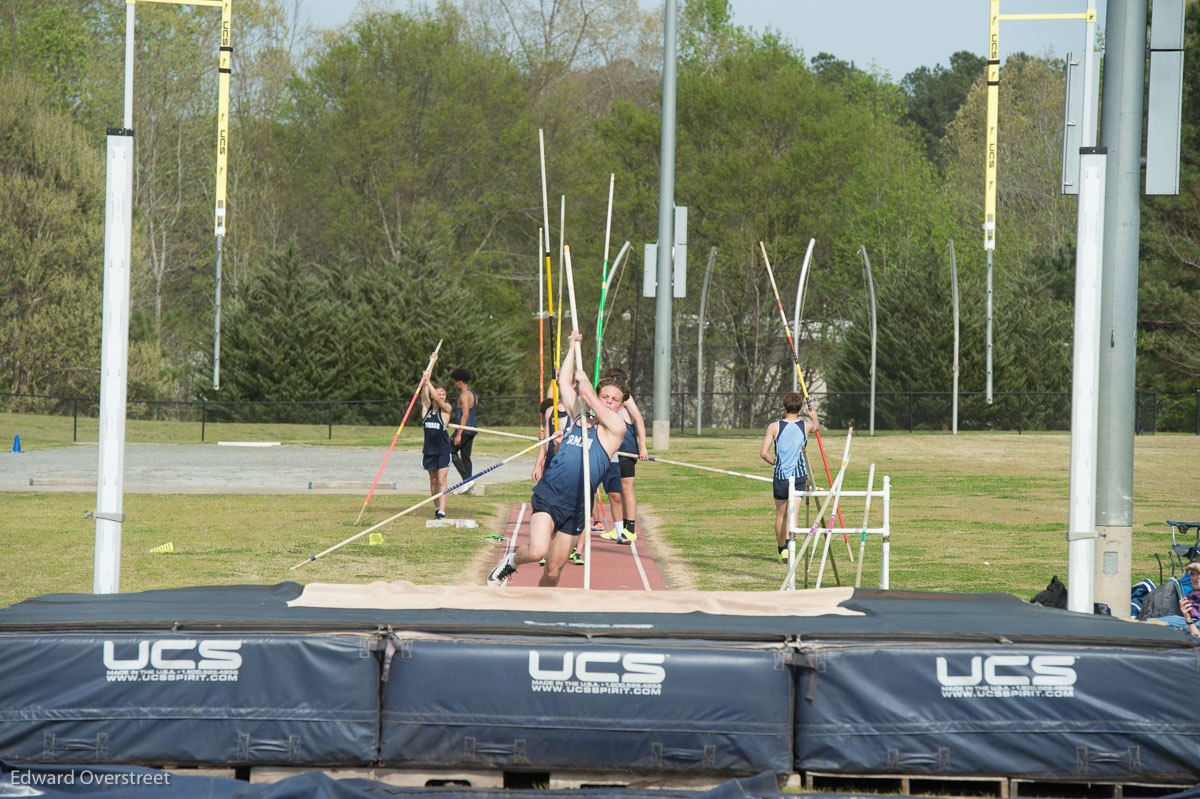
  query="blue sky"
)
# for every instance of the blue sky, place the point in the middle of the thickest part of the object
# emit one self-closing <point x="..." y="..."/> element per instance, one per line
<point x="893" y="35"/>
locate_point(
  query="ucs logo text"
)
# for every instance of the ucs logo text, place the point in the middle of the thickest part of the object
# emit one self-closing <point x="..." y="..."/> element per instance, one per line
<point x="1011" y="670"/>
<point x="165" y="654"/>
<point x="632" y="667"/>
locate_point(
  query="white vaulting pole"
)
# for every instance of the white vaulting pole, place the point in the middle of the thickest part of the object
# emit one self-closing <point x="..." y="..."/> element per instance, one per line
<point x="862" y="544"/>
<point x="587" y="478"/>
<point x="425" y="501"/>
<point x="799" y="302"/>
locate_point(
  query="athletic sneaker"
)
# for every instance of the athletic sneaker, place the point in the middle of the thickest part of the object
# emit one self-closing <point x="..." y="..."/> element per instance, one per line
<point x="611" y="535"/>
<point x="783" y="556"/>
<point x="542" y="562"/>
<point x="597" y="527"/>
<point x="576" y="558"/>
<point x="438" y="513"/>
<point x="626" y="537"/>
<point x="500" y="573"/>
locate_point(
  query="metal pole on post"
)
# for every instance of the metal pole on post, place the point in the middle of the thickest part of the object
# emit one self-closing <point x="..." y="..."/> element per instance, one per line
<point x="114" y="339"/>
<point x="700" y="344"/>
<point x="1121" y="127"/>
<point x="666" y="237"/>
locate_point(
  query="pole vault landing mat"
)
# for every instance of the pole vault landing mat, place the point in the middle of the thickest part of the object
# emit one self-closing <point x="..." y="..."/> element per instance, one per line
<point x="401" y="676"/>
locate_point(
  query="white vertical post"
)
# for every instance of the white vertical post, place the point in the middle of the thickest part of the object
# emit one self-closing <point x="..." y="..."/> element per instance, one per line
<point x="885" y="560"/>
<point x="791" y="538"/>
<point x="954" y="366"/>
<point x="114" y="356"/>
<point x="1085" y="382"/>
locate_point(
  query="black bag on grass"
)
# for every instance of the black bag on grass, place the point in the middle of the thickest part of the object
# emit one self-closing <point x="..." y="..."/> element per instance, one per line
<point x="1055" y="595"/>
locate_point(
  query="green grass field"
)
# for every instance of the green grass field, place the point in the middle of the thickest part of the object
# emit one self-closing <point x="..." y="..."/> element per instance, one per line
<point x="976" y="512"/>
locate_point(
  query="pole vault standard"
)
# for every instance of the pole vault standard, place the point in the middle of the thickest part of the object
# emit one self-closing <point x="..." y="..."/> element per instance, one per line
<point x="604" y="277"/>
<point x="114" y="343"/>
<point x="835" y="489"/>
<point x="796" y="363"/>
<point x="425" y="501"/>
<point x="549" y="287"/>
<point x="577" y="351"/>
<point x="399" y="429"/>
<point x="992" y="130"/>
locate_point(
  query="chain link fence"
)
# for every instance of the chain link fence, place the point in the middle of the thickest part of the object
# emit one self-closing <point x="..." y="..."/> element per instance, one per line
<point x="55" y="419"/>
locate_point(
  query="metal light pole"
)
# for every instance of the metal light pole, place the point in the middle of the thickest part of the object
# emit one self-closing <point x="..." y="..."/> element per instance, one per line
<point x="1121" y="135"/>
<point x="666" y="238"/>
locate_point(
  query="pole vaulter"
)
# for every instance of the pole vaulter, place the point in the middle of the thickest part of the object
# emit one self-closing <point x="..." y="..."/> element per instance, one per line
<point x="399" y="429"/>
<point x="577" y="352"/>
<point x="604" y="277"/>
<point x="549" y="287"/>
<point x="796" y="363"/>
<point x="425" y="501"/>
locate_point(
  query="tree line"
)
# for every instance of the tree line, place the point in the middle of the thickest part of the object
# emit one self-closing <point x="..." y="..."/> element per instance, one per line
<point x="384" y="193"/>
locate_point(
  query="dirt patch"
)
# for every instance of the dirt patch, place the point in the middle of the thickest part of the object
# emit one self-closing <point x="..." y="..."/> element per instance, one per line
<point x="675" y="573"/>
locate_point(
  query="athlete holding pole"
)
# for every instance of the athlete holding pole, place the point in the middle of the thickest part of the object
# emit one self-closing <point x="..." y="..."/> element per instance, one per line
<point x="559" y="503"/>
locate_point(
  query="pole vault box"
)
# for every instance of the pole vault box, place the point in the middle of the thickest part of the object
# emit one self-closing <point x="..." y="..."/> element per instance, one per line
<point x="588" y="705"/>
<point x="188" y="699"/>
<point x="1059" y="712"/>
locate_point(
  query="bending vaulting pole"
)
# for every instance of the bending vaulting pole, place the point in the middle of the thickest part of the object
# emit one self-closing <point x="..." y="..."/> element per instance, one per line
<point x="604" y="278"/>
<point x="800" y="296"/>
<point x="874" y="330"/>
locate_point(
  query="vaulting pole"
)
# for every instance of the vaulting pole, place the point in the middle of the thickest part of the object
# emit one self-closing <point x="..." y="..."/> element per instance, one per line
<point x="549" y="287"/>
<point x="541" y="326"/>
<point x="796" y="363"/>
<point x="862" y="544"/>
<point x="425" y="501"/>
<point x="604" y="277"/>
<point x="399" y="429"/>
<point x="577" y="351"/>
<point x="800" y="297"/>
<point x="562" y="223"/>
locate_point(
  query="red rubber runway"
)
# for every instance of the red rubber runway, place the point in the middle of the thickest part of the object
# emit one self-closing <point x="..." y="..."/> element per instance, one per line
<point x="628" y="567"/>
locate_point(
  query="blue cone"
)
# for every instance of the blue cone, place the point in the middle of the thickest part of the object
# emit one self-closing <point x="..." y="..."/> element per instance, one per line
<point x="16" y="444"/>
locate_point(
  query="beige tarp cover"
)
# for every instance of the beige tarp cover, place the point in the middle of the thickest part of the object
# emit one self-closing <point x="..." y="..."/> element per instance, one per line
<point x="407" y="596"/>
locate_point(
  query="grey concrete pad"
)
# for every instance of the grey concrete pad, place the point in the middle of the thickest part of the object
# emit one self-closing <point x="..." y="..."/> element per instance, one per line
<point x="209" y="468"/>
